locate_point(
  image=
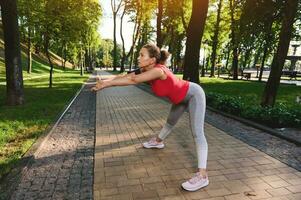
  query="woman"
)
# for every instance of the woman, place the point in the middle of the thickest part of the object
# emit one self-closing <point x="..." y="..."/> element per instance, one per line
<point x="181" y="93"/>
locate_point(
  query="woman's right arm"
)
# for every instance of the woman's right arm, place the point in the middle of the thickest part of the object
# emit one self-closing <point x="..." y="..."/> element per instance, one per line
<point x="114" y="77"/>
<point x="129" y="79"/>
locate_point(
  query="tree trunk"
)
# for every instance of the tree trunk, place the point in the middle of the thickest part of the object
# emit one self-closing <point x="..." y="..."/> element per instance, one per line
<point x="268" y="40"/>
<point x="270" y="91"/>
<point x="257" y="55"/>
<point x="215" y="38"/>
<point x="171" y="47"/>
<point x="115" y="43"/>
<point x="135" y="37"/>
<point x="46" y="46"/>
<point x="115" y="10"/>
<point x="51" y="68"/>
<point x="194" y="36"/>
<point x="246" y="58"/>
<point x="228" y="55"/>
<point x="81" y="62"/>
<point x="13" y="66"/>
<point x="159" y="20"/>
<point x="203" y="66"/>
<point x="265" y="51"/>
<point x="123" y="48"/>
<point x="65" y="57"/>
<point x="86" y="56"/>
<point x="207" y="62"/>
<point x="62" y="55"/>
<point x="178" y="59"/>
<point x="29" y="58"/>
<point x="234" y="43"/>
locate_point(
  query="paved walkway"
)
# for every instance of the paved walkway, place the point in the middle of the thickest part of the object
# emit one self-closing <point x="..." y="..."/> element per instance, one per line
<point x="127" y="116"/>
<point x="62" y="167"/>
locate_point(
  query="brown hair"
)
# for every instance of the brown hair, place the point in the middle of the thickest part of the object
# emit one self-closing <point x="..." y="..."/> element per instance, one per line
<point x="155" y="52"/>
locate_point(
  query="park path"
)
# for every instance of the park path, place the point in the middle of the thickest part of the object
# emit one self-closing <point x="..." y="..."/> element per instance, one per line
<point x="62" y="167"/>
<point x="127" y="116"/>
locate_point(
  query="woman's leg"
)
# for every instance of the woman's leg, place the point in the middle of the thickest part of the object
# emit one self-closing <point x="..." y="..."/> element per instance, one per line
<point x="197" y="108"/>
<point x="175" y="113"/>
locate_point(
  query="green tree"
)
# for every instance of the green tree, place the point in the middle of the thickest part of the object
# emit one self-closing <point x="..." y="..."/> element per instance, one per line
<point x="28" y="17"/>
<point x="106" y="48"/>
<point x="235" y="12"/>
<point x="270" y="91"/>
<point x="174" y="29"/>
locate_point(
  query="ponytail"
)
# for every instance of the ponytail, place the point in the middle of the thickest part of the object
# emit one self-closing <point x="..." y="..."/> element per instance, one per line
<point x="163" y="57"/>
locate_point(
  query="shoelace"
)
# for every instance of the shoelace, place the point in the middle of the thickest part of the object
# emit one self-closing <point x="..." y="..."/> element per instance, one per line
<point x="153" y="141"/>
<point x="197" y="177"/>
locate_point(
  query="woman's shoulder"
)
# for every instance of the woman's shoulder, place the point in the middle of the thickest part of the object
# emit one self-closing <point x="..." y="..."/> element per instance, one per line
<point x="163" y="67"/>
<point x="160" y="65"/>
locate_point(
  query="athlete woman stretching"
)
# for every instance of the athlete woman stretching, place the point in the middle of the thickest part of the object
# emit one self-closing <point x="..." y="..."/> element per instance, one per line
<point x="182" y="94"/>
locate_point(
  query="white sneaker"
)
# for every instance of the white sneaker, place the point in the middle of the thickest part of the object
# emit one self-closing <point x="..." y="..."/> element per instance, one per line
<point x="152" y="143"/>
<point x="195" y="183"/>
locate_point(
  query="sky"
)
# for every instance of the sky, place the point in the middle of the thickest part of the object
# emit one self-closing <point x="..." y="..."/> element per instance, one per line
<point x="106" y="25"/>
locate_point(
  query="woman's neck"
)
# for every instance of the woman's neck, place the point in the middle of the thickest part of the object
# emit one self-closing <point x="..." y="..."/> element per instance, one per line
<point x="149" y="67"/>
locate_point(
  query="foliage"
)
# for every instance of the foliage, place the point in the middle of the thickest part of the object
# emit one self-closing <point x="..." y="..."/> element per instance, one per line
<point x="225" y="103"/>
<point x="105" y="53"/>
<point x="278" y="116"/>
<point x="242" y="98"/>
<point x="69" y="25"/>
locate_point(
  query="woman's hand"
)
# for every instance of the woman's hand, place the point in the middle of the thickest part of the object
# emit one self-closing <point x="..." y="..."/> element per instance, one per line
<point x="100" y="84"/>
<point x="98" y="78"/>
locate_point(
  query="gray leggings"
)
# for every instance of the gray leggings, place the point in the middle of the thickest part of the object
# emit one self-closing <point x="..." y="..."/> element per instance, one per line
<point x="195" y="101"/>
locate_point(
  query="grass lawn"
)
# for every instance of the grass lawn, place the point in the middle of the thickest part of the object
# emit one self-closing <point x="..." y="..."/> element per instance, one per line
<point x="20" y="126"/>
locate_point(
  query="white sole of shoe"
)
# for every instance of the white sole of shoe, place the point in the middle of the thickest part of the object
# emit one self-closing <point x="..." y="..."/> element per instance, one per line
<point x="196" y="188"/>
<point x="153" y="147"/>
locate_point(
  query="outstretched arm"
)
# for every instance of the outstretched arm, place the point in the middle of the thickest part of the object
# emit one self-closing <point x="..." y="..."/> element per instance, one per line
<point x="129" y="79"/>
<point x="112" y="77"/>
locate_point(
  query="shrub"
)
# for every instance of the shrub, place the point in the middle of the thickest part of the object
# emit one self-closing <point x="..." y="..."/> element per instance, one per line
<point x="277" y="116"/>
<point x="225" y="103"/>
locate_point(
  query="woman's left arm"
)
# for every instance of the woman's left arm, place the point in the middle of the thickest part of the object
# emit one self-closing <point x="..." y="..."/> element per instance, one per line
<point x="130" y="80"/>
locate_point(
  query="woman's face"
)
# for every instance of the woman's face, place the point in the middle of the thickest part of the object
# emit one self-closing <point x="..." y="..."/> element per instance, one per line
<point x="144" y="60"/>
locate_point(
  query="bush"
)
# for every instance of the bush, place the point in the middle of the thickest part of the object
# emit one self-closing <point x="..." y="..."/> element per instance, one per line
<point x="277" y="116"/>
<point x="225" y="103"/>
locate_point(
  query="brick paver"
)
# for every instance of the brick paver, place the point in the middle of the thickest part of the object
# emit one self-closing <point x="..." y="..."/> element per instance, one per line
<point x="127" y="116"/>
<point x="62" y="167"/>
